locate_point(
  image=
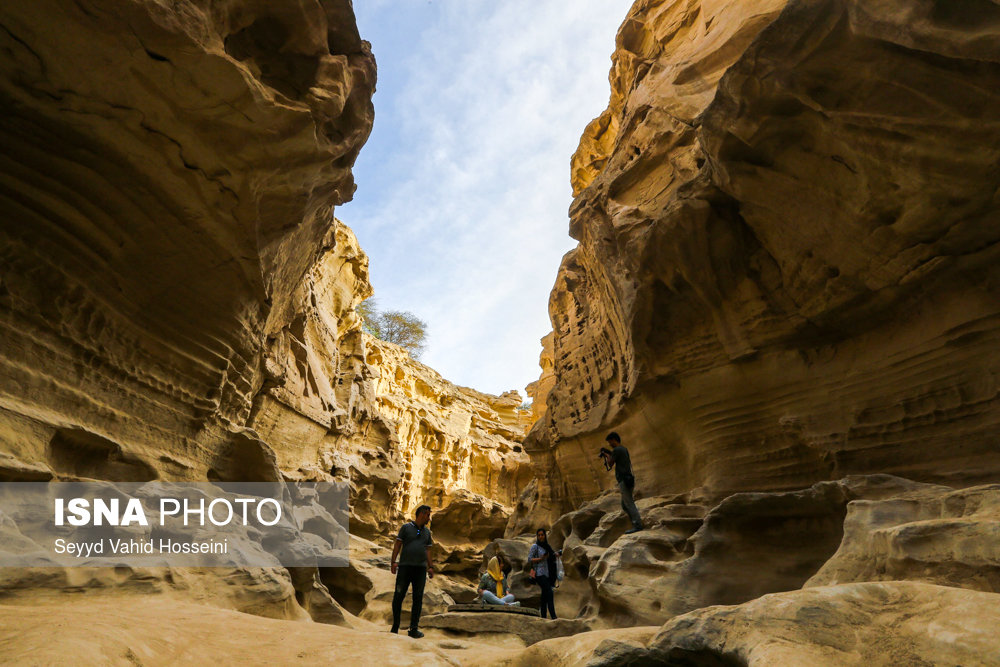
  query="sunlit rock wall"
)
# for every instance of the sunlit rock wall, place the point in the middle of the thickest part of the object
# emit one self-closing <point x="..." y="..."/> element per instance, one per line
<point x="167" y="178"/>
<point x="177" y="300"/>
<point x="787" y="262"/>
<point x="540" y="388"/>
<point x="442" y="437"/>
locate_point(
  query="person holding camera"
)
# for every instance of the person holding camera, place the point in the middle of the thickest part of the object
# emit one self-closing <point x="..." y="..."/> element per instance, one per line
<point x="543" y="563"/>
<point x="617" y="457"/>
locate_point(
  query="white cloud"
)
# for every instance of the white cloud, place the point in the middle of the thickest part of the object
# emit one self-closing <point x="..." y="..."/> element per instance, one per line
<point x="464" y="188"/>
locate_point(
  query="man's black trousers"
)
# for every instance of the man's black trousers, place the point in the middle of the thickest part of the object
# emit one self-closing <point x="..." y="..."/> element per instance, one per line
<point x="407" y="575"/>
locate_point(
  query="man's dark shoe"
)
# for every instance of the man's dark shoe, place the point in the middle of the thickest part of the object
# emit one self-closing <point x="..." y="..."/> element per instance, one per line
<point x="416" y="634"/>
<point x="632" y="530"/>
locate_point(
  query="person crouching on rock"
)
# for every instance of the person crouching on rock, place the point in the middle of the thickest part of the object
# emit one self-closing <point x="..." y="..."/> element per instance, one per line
<point x="543" y="562"/>
<point x="415" y="565"/>
<point x="493" y="586"/>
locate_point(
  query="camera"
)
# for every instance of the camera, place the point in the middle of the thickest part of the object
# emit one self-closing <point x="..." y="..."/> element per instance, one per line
<point x="604" y="452"/>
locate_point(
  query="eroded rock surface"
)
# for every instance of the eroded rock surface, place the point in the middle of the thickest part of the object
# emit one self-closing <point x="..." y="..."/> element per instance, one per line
<point x="854" y="624"/>
<point x="881" y="624"/>
<point x="787" y="265"/>
<point x="169" y="178"/>
<point x="479" y="626"/>
<point x="934" y="535"/>
<point x="860" y="528"/>
<point x="178" y="302"/>
<point x="137" y="630"/>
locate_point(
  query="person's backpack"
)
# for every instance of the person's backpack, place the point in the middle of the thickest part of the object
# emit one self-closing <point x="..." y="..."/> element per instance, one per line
<point x="560" y="570"/>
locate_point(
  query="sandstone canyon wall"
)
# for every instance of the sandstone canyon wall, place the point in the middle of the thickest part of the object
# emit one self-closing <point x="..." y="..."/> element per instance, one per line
<point x="177" y="301"/>
<point x="168" y="182"/>
<point x="787" y="260"/>
<point x="784" y="298"/>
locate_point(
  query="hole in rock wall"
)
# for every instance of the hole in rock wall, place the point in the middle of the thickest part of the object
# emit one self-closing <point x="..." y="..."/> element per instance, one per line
<point x="78" y="453"/>
<point x="784" y="539"/>
<point x="586" y="522"/>
<point x="678" y="657"/>
<point x="966" y="14"/>
<point x="245" y="460"/>
<point x="347" y="586"/>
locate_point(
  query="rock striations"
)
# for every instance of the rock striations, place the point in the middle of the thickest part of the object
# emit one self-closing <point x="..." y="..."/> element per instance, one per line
<point x="785" y="298"/>
<point x="787" y="265"/>
<point x="168" y="181"/>
<point x="177" y="301"/>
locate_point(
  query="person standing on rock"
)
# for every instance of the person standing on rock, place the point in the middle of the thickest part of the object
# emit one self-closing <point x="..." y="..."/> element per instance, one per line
<point x="543" y="562"/>
<point x="617" y="457"/>
<point x="413" y="548"/>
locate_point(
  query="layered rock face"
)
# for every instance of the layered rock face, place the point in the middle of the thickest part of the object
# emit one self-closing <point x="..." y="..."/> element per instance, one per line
<point x="867" y="570"/>
<point x="786" y="268"/>
<point x="540" y="388"/>
<point x="178" y="302"/>
<point x="168" y="182"/>
<point x="785" y="288"/>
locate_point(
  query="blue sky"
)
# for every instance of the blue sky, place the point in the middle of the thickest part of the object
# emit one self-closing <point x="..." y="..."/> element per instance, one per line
<point x="463" y="187"/>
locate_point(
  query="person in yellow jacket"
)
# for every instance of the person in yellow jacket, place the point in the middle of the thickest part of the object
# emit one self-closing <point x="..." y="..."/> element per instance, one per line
<point x="493" y="586"/>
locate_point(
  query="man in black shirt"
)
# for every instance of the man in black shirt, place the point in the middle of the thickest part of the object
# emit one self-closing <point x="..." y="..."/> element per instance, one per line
<point x="415" y="565"/>
<point x="618" y="459"/>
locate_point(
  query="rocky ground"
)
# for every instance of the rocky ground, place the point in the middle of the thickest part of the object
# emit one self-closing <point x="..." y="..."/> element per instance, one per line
<point x="871" y="570"/>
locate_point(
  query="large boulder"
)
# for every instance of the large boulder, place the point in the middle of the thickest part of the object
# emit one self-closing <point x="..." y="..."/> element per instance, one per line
<point x="851" y="625"/>
<point x="876" y="624"/>
<point x="932" y="534"/>
<point x="463" y="528"/>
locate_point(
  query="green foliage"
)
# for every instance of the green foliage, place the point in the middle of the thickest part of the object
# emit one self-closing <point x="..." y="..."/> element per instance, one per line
<point x="394" y="326"/>
<point x="368" y="310"/>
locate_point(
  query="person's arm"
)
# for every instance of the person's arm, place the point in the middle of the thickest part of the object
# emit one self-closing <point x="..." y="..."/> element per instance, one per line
<point x="430" y="561"/>
<point x="395" y="554"/>
<point x="533" y="559"/>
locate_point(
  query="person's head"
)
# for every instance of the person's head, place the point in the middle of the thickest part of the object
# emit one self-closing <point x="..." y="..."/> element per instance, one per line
<point x="495" y="569"/>
<point x="541" y="536"/>
<point x="614" y="439"/>
<point x="423" y="515"/>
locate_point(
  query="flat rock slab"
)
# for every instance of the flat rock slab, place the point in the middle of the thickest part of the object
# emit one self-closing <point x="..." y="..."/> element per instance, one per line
<point x="494" y="608"/>
<point x="529" y="627"/>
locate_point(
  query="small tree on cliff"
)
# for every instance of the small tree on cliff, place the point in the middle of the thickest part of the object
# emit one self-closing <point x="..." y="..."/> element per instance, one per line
<point x="394" y="326"/>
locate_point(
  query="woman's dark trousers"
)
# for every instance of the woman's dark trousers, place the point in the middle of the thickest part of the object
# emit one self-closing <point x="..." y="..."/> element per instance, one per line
<point x="548" y="598"/>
